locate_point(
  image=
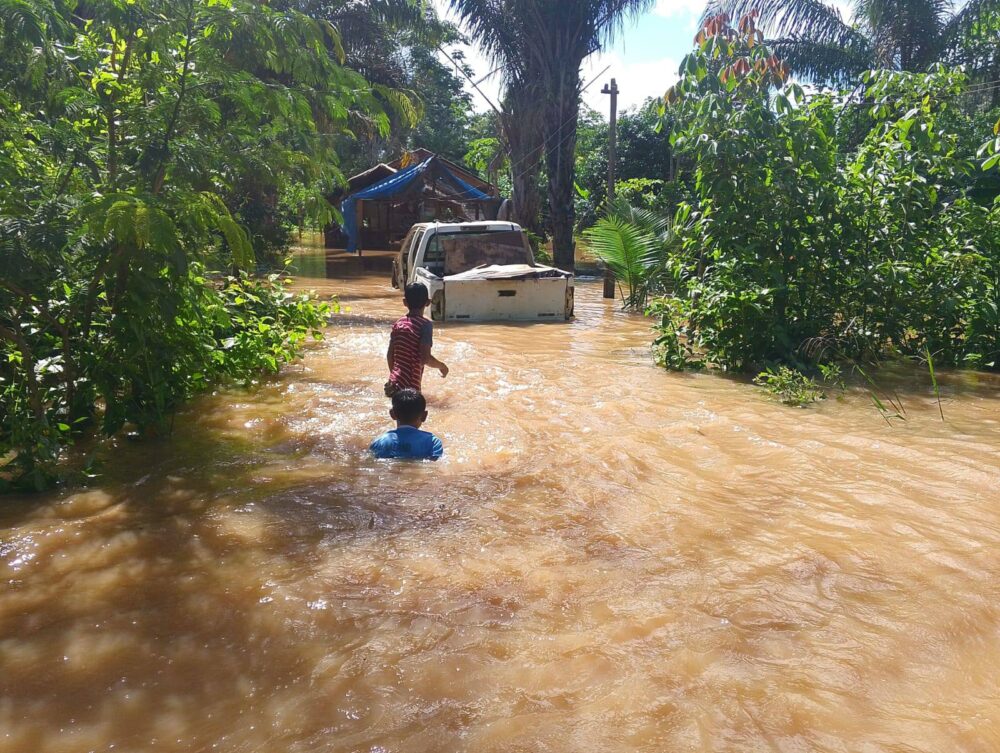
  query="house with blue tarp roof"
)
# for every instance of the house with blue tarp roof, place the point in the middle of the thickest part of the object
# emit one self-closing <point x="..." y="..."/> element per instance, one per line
<point x="380" y="204"/>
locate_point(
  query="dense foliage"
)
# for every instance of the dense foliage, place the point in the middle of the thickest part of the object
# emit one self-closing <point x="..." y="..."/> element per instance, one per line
<point x="130" y="128"/>
<point x="644" y="169"/>
<point x="395" y="45"/>
<point x="794" y="249"/>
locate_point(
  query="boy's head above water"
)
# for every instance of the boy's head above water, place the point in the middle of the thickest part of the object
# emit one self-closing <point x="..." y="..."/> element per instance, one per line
<point x="409" y="407"/>
<point x="415" y="296"/>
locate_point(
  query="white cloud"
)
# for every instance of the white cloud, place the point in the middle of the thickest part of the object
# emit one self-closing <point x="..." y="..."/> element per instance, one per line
<point x="636" y="81"/>
<point x="669" y="8"/>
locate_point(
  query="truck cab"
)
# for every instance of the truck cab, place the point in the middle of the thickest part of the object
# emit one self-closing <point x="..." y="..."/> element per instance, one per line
<point x="482" y="271"/>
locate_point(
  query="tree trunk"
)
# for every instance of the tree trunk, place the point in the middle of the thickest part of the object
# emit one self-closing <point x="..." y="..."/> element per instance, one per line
<point x="527" y="199"/>
<point x="524" y="142"/>
<point x="560" y="160"/>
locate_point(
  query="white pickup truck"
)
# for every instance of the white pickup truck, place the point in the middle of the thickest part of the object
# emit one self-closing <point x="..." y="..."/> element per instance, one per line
<point x="482" y="271"/>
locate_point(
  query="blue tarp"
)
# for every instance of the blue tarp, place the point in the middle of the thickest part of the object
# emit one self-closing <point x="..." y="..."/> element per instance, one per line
<point x="396" y="184"/>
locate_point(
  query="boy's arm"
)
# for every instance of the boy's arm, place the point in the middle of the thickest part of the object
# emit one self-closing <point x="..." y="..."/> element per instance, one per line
<point x="430" y="360"/>
<point x="426" y="343"/>
<point x="390" y="353"/>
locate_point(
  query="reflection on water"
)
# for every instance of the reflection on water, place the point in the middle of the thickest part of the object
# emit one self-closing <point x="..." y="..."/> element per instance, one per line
<point x="610" y="557"/>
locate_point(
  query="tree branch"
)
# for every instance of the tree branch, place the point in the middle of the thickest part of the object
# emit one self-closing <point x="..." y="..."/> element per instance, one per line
<point x="161" y="169"/>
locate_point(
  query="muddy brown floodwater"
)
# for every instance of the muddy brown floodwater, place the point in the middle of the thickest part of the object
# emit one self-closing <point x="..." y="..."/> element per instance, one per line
<point x="610" y="558"/>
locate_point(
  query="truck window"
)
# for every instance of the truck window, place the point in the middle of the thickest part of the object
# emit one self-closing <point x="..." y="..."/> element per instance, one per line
<point x="434" y="256"/>
<point x="411" y="253"/>
<point x="460" y="252"/>
<point x="404" y="252"/>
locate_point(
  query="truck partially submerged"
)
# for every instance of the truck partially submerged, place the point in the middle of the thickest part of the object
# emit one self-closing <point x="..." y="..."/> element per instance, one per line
<point x="482" y="271"/>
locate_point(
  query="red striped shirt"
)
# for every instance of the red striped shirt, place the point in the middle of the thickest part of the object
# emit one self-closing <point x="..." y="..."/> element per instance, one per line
<point x="407" y="362"/>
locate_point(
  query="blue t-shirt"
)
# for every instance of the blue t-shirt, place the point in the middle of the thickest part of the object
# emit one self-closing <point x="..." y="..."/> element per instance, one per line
<point x="407" y="442"/>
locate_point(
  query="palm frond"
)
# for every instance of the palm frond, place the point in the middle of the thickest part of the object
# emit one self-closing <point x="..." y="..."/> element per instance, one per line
<point x="904" y="34"/>
<point x="612" y="15"/>
<point x="814" y="19"/>
<point x="978" y="19"/>
<point x="823" y="63"/>
<point x="495" y="27"/>
<point x="653" y="223"/>
<point x="626" y="249"/>
<point x="404" y="104"/>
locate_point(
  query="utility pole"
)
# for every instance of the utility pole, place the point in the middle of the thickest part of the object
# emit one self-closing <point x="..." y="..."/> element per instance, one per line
<point x="609" y="277"/>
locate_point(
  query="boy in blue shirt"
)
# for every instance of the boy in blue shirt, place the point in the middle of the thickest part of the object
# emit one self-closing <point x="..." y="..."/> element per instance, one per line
<point x="407" y="441"/>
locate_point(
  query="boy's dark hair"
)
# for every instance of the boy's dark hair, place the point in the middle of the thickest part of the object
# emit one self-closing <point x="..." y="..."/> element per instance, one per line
<point x="416" y="295"/>
<point x="408" y="404"/>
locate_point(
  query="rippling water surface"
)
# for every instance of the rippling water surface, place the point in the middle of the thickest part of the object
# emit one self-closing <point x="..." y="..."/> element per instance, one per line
<point x="610" y="558"/>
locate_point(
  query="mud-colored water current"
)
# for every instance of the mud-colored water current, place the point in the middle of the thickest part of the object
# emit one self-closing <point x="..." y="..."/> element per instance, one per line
<point x="610" y="557"/>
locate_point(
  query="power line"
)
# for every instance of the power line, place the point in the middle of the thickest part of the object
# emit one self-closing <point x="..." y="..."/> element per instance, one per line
<point x="467" y="76"/>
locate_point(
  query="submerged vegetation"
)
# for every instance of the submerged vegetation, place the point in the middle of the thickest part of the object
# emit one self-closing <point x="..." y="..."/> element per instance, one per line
<point x="792" y="387"/>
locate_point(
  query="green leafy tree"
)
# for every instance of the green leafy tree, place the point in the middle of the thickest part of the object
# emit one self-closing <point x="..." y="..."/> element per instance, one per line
<point x="763" y="176"/>
<point x="795" y="252"/>
<point x="645" y="170"/>
<point x="395" y="44"/>
<point x="487" y="155"/>
<point x="445" y="127"/>
<point x="131" y="125"/>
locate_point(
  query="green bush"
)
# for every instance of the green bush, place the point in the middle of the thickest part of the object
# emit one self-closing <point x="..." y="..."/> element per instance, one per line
<point x="167" y="339"/>
<point x="791" y="387"/>
<point x="130" y="132"/>
<point x="793" y="251"/>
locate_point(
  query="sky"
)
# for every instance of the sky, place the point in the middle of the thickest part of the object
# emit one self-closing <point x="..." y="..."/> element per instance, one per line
<point x="643" y="59"/>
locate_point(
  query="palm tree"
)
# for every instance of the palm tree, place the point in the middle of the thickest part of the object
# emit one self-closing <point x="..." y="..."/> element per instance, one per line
<point x="542" y="44"/>
<point x="521" y="128"/>
<point x="820" y="44"/>
<point x="502" y="40"/>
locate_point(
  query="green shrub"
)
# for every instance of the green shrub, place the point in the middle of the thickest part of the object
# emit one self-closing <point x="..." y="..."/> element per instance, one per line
<point x="791" y="387"/>
<point x="131" y="145"/>
<point x="793" y="251"/>
<point x="168" y="340"/>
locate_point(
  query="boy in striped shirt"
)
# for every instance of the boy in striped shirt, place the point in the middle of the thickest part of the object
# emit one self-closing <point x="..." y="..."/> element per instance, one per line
<point x="410" y="344"/>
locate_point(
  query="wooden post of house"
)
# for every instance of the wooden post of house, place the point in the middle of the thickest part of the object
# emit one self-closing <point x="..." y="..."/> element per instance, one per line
<point x="359" y="215"/>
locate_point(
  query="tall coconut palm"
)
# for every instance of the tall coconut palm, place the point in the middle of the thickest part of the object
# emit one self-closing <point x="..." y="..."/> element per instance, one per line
<point x="819" y="43"/>
<point x="544" y="42"/>
<point x="502" y="40"/>
<point x="521" y="124"/>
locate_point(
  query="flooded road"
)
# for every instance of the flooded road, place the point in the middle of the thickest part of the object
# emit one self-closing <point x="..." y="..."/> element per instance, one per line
<point x="610" y="557"/>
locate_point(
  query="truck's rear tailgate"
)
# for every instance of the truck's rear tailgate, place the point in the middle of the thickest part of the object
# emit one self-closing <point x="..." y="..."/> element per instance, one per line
<point x="543" y="299"/>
